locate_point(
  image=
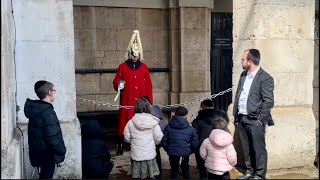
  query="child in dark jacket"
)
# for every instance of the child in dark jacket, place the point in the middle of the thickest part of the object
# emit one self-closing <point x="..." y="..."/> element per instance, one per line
<point x="203" y="126"/>
<point x="179" y="141"/>
<point x="45" y="140"/>
<point x="96" y="158"/>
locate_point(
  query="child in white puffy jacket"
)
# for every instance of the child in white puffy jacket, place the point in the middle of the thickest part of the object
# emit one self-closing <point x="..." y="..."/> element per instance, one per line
<point x="143" y="133"/>
<point x="218" y="151"/>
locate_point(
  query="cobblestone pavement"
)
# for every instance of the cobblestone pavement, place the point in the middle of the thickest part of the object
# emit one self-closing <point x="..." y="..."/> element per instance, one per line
<point x="122" y="164"/>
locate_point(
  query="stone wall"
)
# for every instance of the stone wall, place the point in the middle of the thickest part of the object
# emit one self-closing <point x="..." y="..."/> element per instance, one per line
<point x="315" y="105"/>
<point x="45" y="50"/>
<point x="11" y="156"/>
<point x="287" y="51"/>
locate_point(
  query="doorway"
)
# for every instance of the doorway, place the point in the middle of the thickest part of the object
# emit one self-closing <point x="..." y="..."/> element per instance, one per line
<point x="221" y="58"/>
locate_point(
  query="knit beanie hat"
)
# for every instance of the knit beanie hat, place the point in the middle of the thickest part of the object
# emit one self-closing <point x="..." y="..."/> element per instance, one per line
<point x="181" y="111"/>
<point x="207" y="103"/>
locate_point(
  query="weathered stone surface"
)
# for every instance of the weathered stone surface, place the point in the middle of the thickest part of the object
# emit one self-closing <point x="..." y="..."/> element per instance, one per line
<point x="106" y="83"/>
<point x="293" y="60"/>
<point x="87" y="17"/>
<point x="77" y="17"/>
<point x="315" y="105"/>
<point x="287" y="149"/>
<point x="147" y="39"/>
<point x="106" y="39"/>
<point x="84" y="59"/>
<point x="150" y="16"/>
<point x="156" y="59"/>
<point x="278" y="24"/>
<point x="195" y="81"/>
<point x="87" y="84"/>
<point x="99" y="54"/>
<point x="11" y="159"/>
<point x="85" y="106"/>
<point x="161" y="40"/>
<point x="194" y="39"/>
<point x="108" y="98"/>
<point x="100" y="16"/>
<point x="120" y="18"/>
<point x="174" y="39"/>
<point x="84" y="39"/>
<point x="195" y="61"/>
<point x="160" y="82"/>
<point x="112" y="59"/>
<point x="288" y="92"/>
<point x="174" y="18"/>
<point x="160" y="98"/>
<point x="194" y="18"/>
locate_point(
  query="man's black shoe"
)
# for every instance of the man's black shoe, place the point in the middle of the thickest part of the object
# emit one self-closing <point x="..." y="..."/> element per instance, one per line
<point x="246" y="176"/>
<point x="256" y="177"/>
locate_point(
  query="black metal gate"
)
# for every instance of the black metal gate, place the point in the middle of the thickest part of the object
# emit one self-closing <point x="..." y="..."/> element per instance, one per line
<point x="221" y="58"/>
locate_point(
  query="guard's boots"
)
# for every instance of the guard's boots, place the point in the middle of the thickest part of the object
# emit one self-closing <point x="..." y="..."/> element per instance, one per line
<point x="119" y="149"/>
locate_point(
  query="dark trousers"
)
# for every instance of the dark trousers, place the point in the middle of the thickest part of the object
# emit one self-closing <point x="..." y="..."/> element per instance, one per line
<point x="174" y="163"/>
<point x="120" y="139"/>
<point x="200" y="165"/>
<point x="224" y="176"/>
<point x="46" y="171"/>
<point x="158" y="158"/>
<point x="252" y="136"/>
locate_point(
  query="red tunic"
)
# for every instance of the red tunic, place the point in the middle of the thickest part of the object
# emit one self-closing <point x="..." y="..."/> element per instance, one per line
<point x="138" y="84"/>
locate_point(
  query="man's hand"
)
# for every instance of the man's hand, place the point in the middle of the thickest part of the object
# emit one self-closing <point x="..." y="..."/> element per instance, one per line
<point x="234" y="120"/>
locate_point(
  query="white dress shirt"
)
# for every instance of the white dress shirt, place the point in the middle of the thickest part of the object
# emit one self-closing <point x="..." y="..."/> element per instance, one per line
<point x="242" y="105"/>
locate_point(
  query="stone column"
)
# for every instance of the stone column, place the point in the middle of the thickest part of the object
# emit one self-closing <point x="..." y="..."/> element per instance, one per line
<point x="189" y="51"/>
<point x="45" y="51"/>
<point x="11" y="141"/>
<point x="283" y="31"/>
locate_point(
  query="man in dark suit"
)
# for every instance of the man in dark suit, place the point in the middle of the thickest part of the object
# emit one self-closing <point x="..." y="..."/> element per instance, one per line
<point x="252" y="112"/>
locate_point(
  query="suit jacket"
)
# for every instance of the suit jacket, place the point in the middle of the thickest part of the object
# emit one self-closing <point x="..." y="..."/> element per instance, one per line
<point x="260" y="97"/>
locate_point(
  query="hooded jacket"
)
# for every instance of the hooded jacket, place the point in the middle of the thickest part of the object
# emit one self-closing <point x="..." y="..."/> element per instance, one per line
<point x="46" y="144"/>
<point x="143" y="133"/>
<point x="180" y="139"/>
<point x="218" y="152"/>
<point x="156" y="111"/>
<point x="203" y="122"/>
<point x="96" y="157"/>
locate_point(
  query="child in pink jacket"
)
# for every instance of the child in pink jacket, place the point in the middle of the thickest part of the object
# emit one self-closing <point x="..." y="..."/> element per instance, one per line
<point x="218" y="152"/>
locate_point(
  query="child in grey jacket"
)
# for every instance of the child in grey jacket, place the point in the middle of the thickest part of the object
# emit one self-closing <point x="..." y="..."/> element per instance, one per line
<point x="156" y="111"/>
